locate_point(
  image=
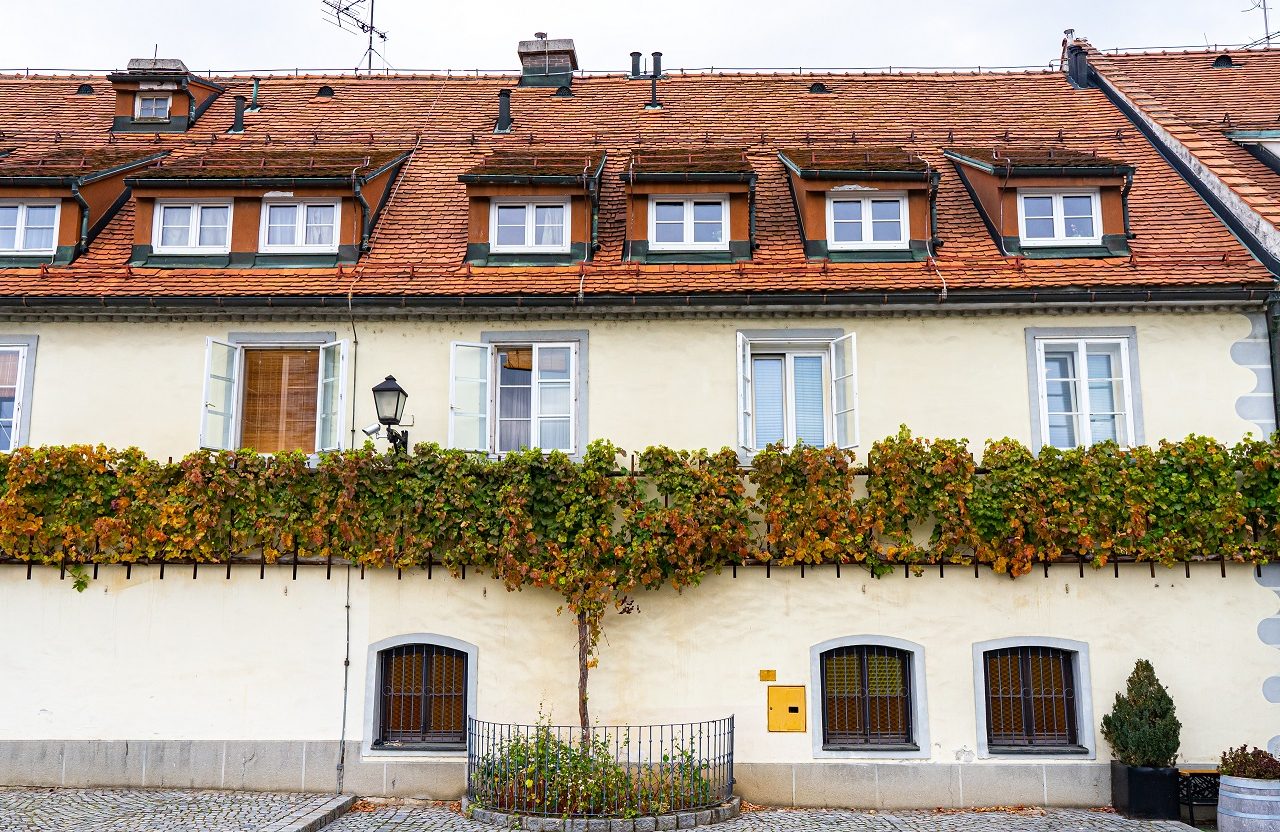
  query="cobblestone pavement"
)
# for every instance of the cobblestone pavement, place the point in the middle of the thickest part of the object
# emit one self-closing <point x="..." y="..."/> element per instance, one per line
<point x="395" y="819"/>
<point x="130" y="810"/>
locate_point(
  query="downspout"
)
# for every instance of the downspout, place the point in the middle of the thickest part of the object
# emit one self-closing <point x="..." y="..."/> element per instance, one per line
<point x="364" y="212"/>
<point x="1124" y="203"/>
<point x="1273" y="342"/>
<point x="934" y="178"/>
<point x="83" y="245"/>
<point x="751" y="216"/>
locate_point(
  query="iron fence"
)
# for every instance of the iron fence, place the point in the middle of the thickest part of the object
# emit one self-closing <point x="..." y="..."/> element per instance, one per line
<point x="602" y="771"/>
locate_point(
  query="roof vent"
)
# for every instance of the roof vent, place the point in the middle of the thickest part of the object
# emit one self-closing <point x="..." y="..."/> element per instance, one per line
<point x="547" y="63"/>
<point x="563" y="92"/>
<point x="325" y="92"/>
<point x="157" y="66"/>
<point x="504" y="112"/>
<point x="84" y="89"/>
<point x="1224" y="61"/>
<point x="818" y="87"/>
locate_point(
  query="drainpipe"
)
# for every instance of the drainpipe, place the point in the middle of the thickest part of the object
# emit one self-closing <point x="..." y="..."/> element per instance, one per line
<point x="364" y="213"/>
<point x="1273" y="342"/>
<point x="83" y="245"/>
<point x="1124" y="203"/>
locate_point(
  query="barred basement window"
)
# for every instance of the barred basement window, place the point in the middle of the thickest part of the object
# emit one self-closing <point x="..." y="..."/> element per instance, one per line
<point x="1031" y="699"/>
<point x="423" y="697"/>
<point x="866" y="698"/>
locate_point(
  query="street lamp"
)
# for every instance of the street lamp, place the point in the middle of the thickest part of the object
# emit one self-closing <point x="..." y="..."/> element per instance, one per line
<point x="388" y="399"/>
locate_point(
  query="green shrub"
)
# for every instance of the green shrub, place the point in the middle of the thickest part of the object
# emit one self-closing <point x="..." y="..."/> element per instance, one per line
<point x="1256" y="764"/>
<point x="1143" y="727"/>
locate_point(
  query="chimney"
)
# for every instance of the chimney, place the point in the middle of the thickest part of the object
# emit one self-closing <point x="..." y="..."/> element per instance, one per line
<point x="635" y="64"/>
<point x="547" y="63"/>
<point x="1078" y="67"/>
<point x="157" y="66"/>
<point x="253" y="103"/>
<point x="657" y="64"/>
<point x="237" y="125"/>
<point x="504" y="112"/>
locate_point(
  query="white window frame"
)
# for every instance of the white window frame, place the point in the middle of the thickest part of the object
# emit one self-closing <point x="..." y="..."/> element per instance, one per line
<point x="790" y="346"/>
<point x="20" y="234"/>
<point x="300" y="226"/>
<point x="1084" y="435"/>
<point x="492" y="393"/>
<point x="236" y="411"/>
<point x="137" y="106"/>
<point x="193" y="231"/>
<point x="1060" y="237"/>
<point x="866" y="198"/>
<point x="19" y="430"/>
<point x="687" y="244"/>
<point x="530" y="206"/>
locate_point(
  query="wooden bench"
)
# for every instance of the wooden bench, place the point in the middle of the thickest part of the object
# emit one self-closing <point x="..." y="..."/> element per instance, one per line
<point x="1197" y="786"/>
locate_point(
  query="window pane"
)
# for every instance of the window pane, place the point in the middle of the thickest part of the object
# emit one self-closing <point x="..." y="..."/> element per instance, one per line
<point x="8" y="397"/>
<point x="1039" y="229"/>
<point x="846" y="210"/>
<point x="669" y="211"/>
<point x="515" y="397"/>
<point x="886" y="232"/>
<point x="515" y="402"/>
<point x="282" y="221"/>
<point x="810" y="395"/>
<point x="886" y="209"/>
<point x="213" y="225"/>
<point x="553" y="434"/>
<point x="1062" y="431"/>
<point x="553" y="363"/>
<point x="668" y="232"/>
<point x="708" y="212"/>
<point x="767" y="400"/>
<point x="39" y="231"/>
<point x="513" y="435"/>
<point x="1060" y="364"/>
<point x="320" y="221"/>
<point x="511" y="225"/>
<point x="708" y="232"/>
<point x="1079" y="226"/>
<point x="8" y="226"/>
<point x="553" y="399"/>
<point x="549" y="225"/>
<point x="848" y="232"/>
<point x="1037" y="206"/>
<point x="1077" y="206"/>
<point x="175" y="225"/>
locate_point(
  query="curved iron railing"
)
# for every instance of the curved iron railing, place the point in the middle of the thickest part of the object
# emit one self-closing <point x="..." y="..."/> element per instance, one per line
<point x="604" y="771"/>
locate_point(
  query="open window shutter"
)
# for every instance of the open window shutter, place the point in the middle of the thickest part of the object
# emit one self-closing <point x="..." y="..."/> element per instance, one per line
<point x="331" y="396"/>
<point x="573" y="400"/>
<point x="470" y="369"/>
<point x="744" y="394"/>
<point x="844" y="391"/>
<point x="221" y="381"/>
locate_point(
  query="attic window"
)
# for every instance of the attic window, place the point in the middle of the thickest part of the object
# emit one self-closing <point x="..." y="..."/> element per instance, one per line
<point x="819" y="88"/>
<point x="84" y="89"/>
<point x="1224" y="61"/>
<point x="325" y="92"/>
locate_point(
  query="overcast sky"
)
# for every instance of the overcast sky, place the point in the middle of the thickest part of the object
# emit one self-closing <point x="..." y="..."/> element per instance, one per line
<point x="243" y="35"/>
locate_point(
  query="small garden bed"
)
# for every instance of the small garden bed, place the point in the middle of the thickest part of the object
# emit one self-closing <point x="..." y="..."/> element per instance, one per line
<point x="677" y="776"/>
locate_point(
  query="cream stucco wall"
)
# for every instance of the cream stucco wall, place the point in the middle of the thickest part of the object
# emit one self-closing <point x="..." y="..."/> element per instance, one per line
<point x="249" y="658"/>
<point x="660" y="381"/>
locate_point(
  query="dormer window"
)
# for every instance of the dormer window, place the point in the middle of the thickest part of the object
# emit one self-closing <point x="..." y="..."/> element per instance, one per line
<point x="192" y="227"/>
<point x="540" y="226"/>
<point x="1049" y="203"/>
<point x="859" y="223"/>
<point x="152" y="107"/>
<point x="1058" y="218"/>
<point x="300" y="226"/>
<point x="689" y="223"/>
<point x="28" y="227"/>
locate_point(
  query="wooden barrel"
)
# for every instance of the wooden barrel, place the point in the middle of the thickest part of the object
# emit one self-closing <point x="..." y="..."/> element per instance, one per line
<point x="1248" y="805"/>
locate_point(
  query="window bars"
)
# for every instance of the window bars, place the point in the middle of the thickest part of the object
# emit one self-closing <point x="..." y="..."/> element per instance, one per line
<point x="1031" y="698"/>
<point x="423" y="697"/>
<point x="602" y="771"/>
<point x="866" y="698"/>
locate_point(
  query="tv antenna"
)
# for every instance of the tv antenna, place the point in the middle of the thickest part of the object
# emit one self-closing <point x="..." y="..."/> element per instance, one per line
<point x="349" y="13"/>
<point x="1265" y="40"/>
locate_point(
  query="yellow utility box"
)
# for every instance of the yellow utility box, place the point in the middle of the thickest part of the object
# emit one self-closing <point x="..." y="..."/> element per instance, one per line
<point x="786" y="708"/>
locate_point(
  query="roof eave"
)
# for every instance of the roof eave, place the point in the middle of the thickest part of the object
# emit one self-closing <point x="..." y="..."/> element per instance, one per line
<point x="237" y="182"/>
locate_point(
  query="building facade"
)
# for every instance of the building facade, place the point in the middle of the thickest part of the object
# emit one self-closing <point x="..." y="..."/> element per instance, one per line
<point x="691" y="260"/>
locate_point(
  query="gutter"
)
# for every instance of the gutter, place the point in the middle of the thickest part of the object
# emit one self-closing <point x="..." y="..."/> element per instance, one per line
<point x="1016" y="171"/>
<point x="745" y="178"/>
<point x="237" y="182"/>
<point x="1001" y="298"/>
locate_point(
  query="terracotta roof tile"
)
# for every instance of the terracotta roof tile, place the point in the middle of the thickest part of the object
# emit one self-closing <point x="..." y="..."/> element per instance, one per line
<point x="419" y="244"/>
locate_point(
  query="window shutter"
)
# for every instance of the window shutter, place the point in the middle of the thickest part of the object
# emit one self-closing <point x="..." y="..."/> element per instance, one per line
<point x="844" y="391"/>
<point x="221" y="380"/>
<point x="331" y="396"/>
<point x="470" y="370"/>
<point x="744" y="394"/>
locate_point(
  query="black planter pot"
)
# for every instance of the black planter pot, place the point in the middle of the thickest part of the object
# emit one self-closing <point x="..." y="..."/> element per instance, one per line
<point x="1140" y="792"/>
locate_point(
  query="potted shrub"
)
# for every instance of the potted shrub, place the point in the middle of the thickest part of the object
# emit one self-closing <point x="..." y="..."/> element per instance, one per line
<point x="1249" y="792"/>
<point x="1142" y="730"/>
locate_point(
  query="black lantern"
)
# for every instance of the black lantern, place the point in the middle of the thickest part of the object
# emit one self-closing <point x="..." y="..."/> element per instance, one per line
<point x="388" y="400"/>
